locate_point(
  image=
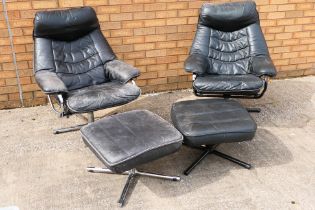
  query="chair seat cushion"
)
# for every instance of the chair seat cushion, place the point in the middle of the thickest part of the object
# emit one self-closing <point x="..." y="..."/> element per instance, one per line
<point x="102" y="96"/>
<point x="246" y="83"/>
<point x="212" y="121"/>
<point x="124" y="141"/>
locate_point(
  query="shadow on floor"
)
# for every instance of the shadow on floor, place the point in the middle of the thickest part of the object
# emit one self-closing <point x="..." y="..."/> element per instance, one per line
<point x="287" y="103"/>
<point x="266" y="150"/>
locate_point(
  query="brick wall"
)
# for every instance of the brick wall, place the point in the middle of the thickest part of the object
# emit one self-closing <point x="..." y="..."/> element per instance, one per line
<point x="155" y="36"/>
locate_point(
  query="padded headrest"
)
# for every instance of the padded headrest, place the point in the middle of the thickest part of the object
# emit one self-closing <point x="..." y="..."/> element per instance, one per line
<point x="229" y="16"/>
<point x="65" y="25"/>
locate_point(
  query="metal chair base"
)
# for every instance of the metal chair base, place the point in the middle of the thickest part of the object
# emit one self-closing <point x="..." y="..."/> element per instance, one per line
<point x="90" y="118"/>
<point x="131" y="175"/>
<point x="253" y="109"/>
<point x="211" y="150"/>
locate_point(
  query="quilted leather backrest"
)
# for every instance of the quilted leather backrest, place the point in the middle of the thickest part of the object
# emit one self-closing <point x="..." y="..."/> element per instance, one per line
<point x="229" y="35"/>
<point x="74" y="48"/>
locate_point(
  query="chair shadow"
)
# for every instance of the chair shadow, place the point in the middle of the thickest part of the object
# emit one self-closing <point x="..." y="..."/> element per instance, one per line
<point x="287" y="103"/>
<point x="265" y="150"/>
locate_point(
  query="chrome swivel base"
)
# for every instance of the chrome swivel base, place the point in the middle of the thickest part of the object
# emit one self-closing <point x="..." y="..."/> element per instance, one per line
<point x="89" y="119"/>
<point x="211" y="150"/>
<point x="131" y="175"/>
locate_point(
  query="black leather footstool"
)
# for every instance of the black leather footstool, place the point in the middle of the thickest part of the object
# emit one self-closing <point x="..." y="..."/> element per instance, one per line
<point x="205" y="123"/>
<point x="124" y="141"/>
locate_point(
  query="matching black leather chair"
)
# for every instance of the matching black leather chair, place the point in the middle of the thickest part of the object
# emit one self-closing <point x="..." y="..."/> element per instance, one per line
<point x="229" y="56"/>
<point x="74" y="63"/>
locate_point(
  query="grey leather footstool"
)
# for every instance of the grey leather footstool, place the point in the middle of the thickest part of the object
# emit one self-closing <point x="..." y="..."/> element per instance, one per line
<point x="206" y="123"/>
<point x="124" y="141"/>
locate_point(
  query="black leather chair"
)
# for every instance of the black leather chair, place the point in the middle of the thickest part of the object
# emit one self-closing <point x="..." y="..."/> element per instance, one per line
<point x="229" y="56"/>
<point x="74" y="63"/>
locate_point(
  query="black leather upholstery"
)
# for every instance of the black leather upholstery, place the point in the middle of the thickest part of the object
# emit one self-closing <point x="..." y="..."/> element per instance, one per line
<point x="124" y="141"/>
<point x="229" y="41"/>
<point x="212" y="121"/>
<point x="246" y="83"/>
<point x="65" y="25"/>
<point x="71" y="53"/>
<point x="120" y="71"/>
<point x="109" y="94"/>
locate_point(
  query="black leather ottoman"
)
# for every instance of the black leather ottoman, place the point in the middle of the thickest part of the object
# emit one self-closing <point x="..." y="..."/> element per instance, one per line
<point x="124" y="141"/>
<point x="205" y="123"/>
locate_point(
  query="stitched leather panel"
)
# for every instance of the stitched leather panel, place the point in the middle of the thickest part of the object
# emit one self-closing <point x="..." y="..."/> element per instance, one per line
<point x="230" y="36"/>
<point x="229" y="52"/>
<point x="228" y="83"/>
<point x="124" y="141"/>
<point x="109" y="94"/>
<point x="212" y="121"/>
<point x="78" y="63"/>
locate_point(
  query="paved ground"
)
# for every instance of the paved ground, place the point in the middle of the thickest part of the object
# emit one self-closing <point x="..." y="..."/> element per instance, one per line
<point x="39" y="170"/>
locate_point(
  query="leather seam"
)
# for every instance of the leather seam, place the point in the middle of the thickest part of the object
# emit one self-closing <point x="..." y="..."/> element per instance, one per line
<point x="218" y="134"/>
<point x="227" y="52"/>
<point x="235" y="91"/>
<point x="97" y="50"/>
<point x="92" y="110"/>
<point x="90" y="56"/>
<point x="53" y="52"/>
<point x="230" y="61"/>
<point x="135" y="155"/>
<point x="67" y="73"/>
<point x="235" y="40"/>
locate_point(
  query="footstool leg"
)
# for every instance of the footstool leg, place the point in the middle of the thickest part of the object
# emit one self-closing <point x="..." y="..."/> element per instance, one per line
<point x="89" y="119"/>
<point x="131" y="174"/>
<point x="160" y="176"/>
<point x="253" y="109"/>
<point x="103" y="170"/>
<point x="124" y="193"/>
<point x="194" y="164"/>
<point x="232" y="159"/>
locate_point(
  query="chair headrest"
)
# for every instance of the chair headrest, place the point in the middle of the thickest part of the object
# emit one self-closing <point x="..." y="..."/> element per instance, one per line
<point x="65" y="25"/>
<point x="229" y="16"/>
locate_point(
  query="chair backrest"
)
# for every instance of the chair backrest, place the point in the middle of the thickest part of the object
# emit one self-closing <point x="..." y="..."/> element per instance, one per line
<point x="229" y="35"/>
<point x="70" y="43"/>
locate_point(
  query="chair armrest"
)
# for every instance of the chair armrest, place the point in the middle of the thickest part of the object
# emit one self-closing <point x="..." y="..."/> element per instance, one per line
<point x="49" y="82"/>
<point x="197" y="63"/>
<point x="263" y="66"/>
<point x="121" y="71"/>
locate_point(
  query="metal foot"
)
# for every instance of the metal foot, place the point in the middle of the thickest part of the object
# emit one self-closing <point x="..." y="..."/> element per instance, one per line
<point x="131" y="175"/>
<point x="232" y="159"/>
<point x="123" y="195"/>
<point x="207" y="150"/>
<point x="256" y="110"/>
<point x="90" y="118"/>
<point x="196" y="162"/>
<point x="69" y="129"/>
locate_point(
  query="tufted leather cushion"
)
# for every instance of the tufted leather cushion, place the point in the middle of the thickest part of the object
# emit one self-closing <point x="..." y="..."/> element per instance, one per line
<point x="229" y="52"/>
<point x="212" y="121"/>
<point x="228" y="84"/>
<point x="102" y="96"/>
<point x="79" y="61"/>
<point x="124" y="141"/>
<point x="66" y="25"/>
<point x="229" y="42"/>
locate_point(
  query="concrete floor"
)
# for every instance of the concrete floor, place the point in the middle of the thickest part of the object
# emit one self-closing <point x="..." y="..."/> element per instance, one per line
<point x="39" y="170"/>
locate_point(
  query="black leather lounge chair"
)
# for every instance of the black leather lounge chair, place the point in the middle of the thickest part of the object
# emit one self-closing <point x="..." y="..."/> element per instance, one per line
<point x="74" y="63"/>
<point x="229" y="55"/>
